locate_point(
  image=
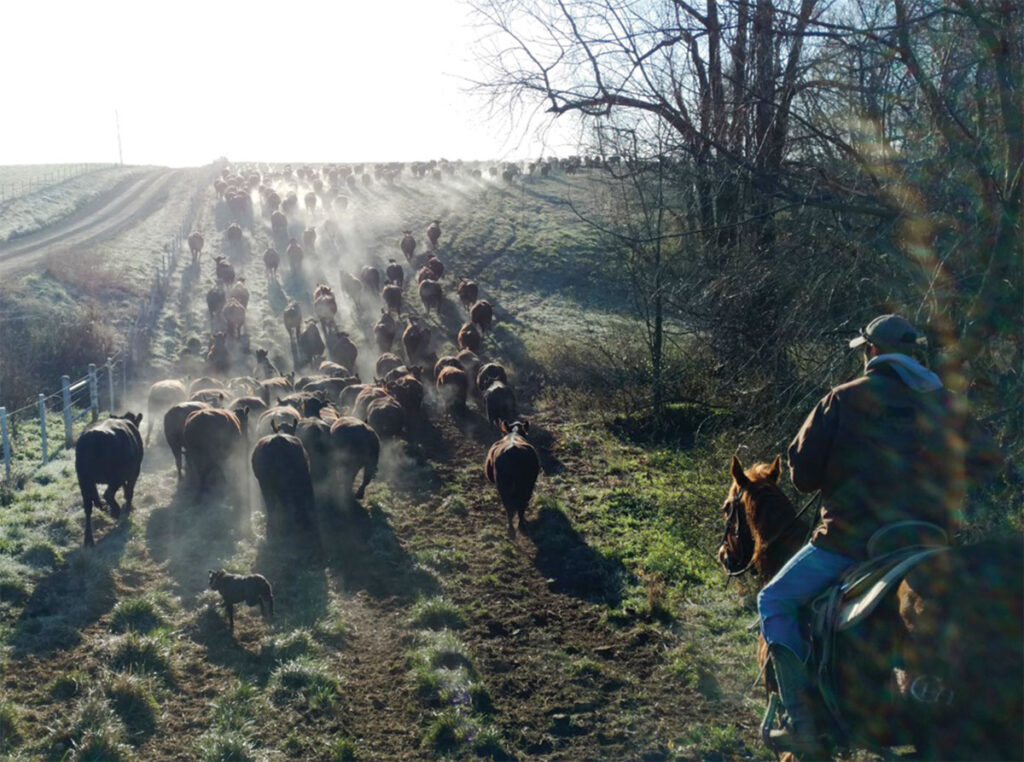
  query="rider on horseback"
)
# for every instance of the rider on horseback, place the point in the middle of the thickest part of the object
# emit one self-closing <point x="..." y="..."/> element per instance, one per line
<point x="888" y="446"/>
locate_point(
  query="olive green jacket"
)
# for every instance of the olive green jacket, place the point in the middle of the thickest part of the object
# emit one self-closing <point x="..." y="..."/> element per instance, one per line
<point x="880" y="453"/>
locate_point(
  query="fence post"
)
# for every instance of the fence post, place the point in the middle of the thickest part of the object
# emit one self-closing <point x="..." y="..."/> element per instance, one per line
<point x="42" y="426"/>
<point x="94" y="392"/>
<point x="110" y="382"/>
<point x="65" y="389"/>
<point x="6" y="443"/>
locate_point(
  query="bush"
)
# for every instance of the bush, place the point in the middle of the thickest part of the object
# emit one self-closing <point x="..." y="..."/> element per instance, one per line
<point x="132" y="698"/>
<point x="136" y="615"/>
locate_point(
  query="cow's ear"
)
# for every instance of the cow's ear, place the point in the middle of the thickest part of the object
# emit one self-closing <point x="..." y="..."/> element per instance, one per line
<point x="776" y="469"/>
<point x="274" y="426"/>
<point x="526" y="426"/>
<point x="504" y="428"/>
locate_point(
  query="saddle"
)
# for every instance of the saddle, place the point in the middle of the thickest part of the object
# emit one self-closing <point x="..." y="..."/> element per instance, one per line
<point x="893" y="551"/>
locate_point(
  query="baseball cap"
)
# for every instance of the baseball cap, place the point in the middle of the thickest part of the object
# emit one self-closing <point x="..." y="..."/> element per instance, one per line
<point x="889" y="332"/>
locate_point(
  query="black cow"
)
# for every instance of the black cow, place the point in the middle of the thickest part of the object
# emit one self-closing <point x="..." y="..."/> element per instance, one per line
<point x="108" y="452"/>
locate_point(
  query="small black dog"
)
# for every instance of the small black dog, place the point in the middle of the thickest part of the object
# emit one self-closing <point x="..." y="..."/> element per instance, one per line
<point x="253" y="589"/>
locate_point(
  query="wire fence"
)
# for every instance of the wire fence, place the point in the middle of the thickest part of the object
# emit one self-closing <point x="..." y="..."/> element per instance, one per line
<point x="15" y="187"/>
<point x="33" y="434"/>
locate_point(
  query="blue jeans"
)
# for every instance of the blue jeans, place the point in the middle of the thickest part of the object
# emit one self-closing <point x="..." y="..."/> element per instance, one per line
<point x="803" y="577"/>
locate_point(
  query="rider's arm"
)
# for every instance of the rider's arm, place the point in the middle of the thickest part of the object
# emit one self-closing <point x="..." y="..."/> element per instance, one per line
<point x="809" y="451"/>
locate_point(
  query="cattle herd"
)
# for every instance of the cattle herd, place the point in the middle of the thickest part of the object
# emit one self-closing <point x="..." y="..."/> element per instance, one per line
<point x="313" y="429"/>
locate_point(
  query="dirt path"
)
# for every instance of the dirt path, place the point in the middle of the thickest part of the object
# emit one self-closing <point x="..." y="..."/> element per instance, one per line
<point x="125" y="206"/>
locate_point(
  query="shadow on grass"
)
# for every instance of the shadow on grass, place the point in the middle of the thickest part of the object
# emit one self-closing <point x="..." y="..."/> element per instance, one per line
<point x="573" y="567"/>
<point x="192" y="538"/>
<point x="70" y="599"/>
<point x="360" y="546"/>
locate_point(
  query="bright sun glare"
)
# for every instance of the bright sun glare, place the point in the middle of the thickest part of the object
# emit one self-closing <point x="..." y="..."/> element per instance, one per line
<point x="191" y="81"/>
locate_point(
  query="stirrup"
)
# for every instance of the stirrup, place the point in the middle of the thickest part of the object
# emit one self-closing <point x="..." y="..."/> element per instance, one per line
<point x="809" y="749"/>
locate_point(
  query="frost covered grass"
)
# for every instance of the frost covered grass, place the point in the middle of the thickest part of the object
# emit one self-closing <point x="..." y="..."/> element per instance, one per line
<point x="27" y="212"/>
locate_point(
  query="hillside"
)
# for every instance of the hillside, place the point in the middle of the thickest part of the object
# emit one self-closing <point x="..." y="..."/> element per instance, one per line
<point x="414" y="627"/>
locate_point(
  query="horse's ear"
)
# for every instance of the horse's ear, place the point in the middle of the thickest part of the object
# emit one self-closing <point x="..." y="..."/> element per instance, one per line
<point x="776" y="469"/>
<point x="737" y="472"/>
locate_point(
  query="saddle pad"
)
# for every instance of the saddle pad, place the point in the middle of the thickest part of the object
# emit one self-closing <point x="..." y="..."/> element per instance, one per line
<point x="854" y="609"/>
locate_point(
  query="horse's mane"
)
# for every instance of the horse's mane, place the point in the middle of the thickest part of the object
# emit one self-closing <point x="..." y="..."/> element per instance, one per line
<point x="768" y="509"/>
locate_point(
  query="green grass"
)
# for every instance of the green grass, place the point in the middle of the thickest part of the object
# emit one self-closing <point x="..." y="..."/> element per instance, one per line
<point x="10" y="725"/>
<point x="141" y="655"/>
<point x="306" y="682"/>
<point x="437" y="613"/>
<point x="132" y="699"/>
<point x="68" y="685"/>
<point x="138" y="614"/>
<point x="94" y="733"/>
<point x="343" y="750"/>
<point x="220" y="745"/>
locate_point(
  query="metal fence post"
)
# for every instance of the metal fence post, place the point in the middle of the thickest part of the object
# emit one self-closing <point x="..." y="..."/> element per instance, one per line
<point x="6" y="443"/>
<point x="65" y="389"/>
<point x="94" y="392"/>
<point x="110" y="382"/>
<point x="42" y="427"/>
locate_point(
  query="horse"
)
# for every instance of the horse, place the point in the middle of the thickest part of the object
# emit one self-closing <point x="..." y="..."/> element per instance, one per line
<point x="938" y="664"/>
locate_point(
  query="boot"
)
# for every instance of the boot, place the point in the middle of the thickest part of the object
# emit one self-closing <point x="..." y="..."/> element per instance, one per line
<point x="801" y="735"/>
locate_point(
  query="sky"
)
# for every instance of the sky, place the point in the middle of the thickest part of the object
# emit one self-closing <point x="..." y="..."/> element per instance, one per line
<point x="308" y="81"/>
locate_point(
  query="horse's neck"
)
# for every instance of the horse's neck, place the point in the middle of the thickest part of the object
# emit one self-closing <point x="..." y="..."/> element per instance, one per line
<point x="780" y="541"/>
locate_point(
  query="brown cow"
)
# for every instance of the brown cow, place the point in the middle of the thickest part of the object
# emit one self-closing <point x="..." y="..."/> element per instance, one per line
<point x="392" y="295"/>
<point x="225" y="271"/>
<point x="341" y="349"/>
<point x="325" y="306"/>
<point x="434" y="233"/>
<point x="278" y="222"/>
<point x="195" y="245"/>
<point x="239" y="292"/>
<point x="356" y="446"/>
<point x="448" y="361"/>
<point x="430" y="295"/>
<point x="311" y="343"/>
<point x="234" y="317"/>
<point x="370" y="277"/>
<point x="309" y="240"/>
<point x="482" y="313"/>
<point x="408" y="245"/>
<point x="384" y="331"/>
<point x="294" y="254"/>
<point x="488" y="374"/>
<point x="435" y="266"/>
<point x="218" y="359"/>
<point x="415" y="340"/>
<point x="408" y="391"/>
<point x="385" y="416"/>
<point x="174" y="427"/>
<point x="468" y="292"/>
<point x="387" y="362"/>
<point x="512" y="465"/>
<point x="215" y="300"/>
<point x="163" y="395"/>
<point x="264" y="367"/>
<point x="453" y="385"/>
<point x="214" y="443"/>
<point x="293" y="319"/>
<point x="469" y="338"/>
<point x="395" y="273"/>
<point x="271" y="260"/>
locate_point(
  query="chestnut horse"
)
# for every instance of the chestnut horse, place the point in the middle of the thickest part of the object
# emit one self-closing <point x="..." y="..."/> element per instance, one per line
<point x="940" y="662"/>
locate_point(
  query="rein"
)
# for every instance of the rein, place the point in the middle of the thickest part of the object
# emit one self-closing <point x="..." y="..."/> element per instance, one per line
<point x="782" y="532"/>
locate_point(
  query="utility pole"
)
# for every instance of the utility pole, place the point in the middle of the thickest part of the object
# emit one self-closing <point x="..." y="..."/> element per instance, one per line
<point x="117" y="121"/>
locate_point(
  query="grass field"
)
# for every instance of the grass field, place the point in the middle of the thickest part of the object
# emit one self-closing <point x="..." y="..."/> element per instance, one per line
<point x="413" y="626"/>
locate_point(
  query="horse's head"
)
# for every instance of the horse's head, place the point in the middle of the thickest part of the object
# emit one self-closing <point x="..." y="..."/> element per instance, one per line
<point x="746" y="527"/>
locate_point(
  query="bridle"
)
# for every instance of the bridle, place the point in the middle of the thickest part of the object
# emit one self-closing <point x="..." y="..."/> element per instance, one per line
<point x="733" y="511"/>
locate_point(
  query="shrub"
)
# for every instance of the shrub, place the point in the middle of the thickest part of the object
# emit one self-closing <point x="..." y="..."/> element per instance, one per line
<point x="304" y="680"/>
<point x="10" y="733"/>
<point x="225" y="746"/>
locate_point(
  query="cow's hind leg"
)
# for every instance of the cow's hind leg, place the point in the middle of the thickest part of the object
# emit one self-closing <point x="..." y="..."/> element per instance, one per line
<point x="110" y="496"/>
<point x="89" y="497"/>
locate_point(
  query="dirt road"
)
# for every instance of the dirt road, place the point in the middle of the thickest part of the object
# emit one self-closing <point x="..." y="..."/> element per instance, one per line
<point x="125" y="205"/>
